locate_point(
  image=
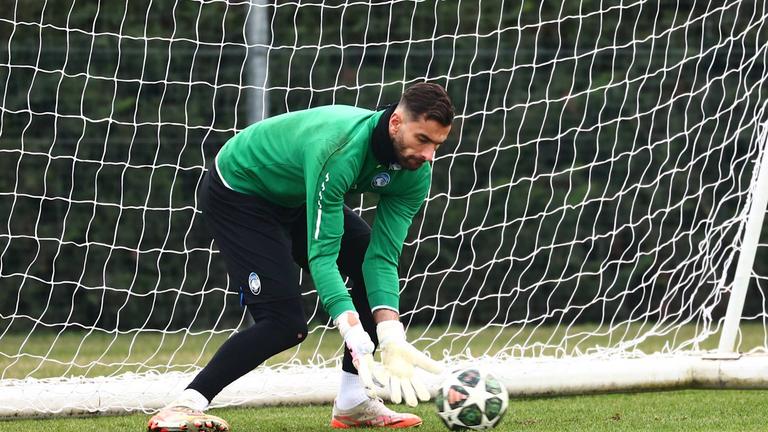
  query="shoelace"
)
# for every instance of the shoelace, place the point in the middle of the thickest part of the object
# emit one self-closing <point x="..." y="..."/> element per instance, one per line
<point x="373" y="409"/>
<point x="185" y="410"/>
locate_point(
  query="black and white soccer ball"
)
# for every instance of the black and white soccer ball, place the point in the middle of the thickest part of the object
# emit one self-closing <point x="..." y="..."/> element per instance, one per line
<point x="471" y="399"/>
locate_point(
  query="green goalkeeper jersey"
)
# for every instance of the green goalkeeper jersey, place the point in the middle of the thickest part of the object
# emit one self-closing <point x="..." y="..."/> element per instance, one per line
<point x="315" y="157"/>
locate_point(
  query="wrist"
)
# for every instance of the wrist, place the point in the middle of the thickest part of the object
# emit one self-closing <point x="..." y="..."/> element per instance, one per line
<point x="353" y="333"/>
<point x="384" y="313"/>
<point x="346" y="321"/>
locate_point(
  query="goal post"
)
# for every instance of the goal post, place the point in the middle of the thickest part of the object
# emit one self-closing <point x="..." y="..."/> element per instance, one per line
<point x="596" y="220"/>
<point x="752" y="228"/>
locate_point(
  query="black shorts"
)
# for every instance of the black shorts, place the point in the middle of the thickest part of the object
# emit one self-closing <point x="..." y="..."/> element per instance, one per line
<point x="262" y="242"/>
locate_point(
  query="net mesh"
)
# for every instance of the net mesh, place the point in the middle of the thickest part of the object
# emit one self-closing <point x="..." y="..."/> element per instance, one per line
<point x="589" y="201"/>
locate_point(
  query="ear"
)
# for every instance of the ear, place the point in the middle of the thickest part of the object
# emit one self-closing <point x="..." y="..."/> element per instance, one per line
<point x="395" y="121"/>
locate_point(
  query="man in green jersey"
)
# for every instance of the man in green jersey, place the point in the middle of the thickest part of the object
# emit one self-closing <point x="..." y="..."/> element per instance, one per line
<point x="274" y="198"/>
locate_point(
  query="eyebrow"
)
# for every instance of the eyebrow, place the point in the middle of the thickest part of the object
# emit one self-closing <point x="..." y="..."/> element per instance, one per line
<point x="422" y="135"/>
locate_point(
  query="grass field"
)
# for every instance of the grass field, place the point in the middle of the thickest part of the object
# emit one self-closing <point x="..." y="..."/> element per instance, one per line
<point x="689" y="410"/>
<point x="73" y="353"/>
<point x="694" y="410"/>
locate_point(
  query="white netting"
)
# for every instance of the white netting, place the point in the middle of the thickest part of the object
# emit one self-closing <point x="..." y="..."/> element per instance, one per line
<point x="761" y="285"/>
<point x="589" y="201"/>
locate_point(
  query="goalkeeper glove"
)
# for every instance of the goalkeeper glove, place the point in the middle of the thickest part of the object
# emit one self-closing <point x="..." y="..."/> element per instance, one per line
<point x="359" y="344"/>
<point x="399" y="359"/>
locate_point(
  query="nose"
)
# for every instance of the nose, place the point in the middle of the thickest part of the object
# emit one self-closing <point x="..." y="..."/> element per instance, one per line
<point x="429" y="153"/>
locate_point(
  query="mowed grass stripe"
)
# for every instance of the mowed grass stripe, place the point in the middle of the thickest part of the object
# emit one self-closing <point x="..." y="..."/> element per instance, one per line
<point x="686" y="410"/>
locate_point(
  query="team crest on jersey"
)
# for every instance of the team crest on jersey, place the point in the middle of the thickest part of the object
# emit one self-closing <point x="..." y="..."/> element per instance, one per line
<point x="254" y="283"/>
<point x="380" y="180"/>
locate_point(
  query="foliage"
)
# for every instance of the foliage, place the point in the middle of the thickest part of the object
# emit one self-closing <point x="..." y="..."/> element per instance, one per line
<point x="587" y="137"/>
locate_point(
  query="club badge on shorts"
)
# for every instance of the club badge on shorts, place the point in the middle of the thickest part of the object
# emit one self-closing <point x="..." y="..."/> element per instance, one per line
<point x="380" y="180"/>
<point x="254" y="283"/>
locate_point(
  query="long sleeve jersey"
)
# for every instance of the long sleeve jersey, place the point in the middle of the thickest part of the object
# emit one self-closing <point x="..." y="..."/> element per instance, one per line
<point x="315" y="157"/>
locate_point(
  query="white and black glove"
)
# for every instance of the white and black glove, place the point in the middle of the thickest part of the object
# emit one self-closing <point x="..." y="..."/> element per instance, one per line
<point x="359" y="344"/>
<point x="399" y="358"/>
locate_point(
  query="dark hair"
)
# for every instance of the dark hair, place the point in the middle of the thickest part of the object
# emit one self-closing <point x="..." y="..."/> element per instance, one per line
<point x="429" y="100"/>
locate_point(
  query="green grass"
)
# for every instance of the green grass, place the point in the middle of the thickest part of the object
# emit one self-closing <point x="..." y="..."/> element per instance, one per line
<point x="75" y="353"/>
<point x="689" y="410"/>
<point x="49" y="354"/>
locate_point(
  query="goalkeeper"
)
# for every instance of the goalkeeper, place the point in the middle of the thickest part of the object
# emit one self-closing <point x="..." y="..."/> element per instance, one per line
<point x="275" y="197"/>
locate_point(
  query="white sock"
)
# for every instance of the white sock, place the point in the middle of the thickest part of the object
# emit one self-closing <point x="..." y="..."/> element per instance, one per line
<point x="351" y="392"/>
<point x="191" y="399"/>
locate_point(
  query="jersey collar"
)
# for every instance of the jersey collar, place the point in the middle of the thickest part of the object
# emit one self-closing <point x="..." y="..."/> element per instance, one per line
<point x="381" y="143"/>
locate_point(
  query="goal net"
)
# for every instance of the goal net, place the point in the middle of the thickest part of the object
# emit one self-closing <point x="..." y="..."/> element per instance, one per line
<point x="589" y="207"/>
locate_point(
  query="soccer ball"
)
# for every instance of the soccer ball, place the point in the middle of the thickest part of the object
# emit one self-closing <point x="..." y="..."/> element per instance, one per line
<point x="471" y="398"/>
